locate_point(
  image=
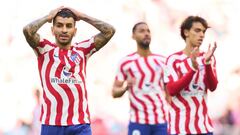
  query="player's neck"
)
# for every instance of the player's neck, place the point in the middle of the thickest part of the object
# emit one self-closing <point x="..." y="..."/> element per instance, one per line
<point x="144" y="52"/>
<point x="65" y="47"/>
<point x="188" y="49"/>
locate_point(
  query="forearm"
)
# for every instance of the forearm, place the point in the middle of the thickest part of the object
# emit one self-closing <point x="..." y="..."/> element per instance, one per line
<point x="30" y="31"/>
<point x="106" y="30"/>
<point x="175" y="87"/>
<point x="33" y="27"/>
<point x="211" y="79"/>
<point x="118" y="91"/>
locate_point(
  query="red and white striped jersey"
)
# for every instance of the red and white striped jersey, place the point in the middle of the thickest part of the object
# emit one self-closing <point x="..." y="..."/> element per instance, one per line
<point x="188" y="112"/>
<point x="62" y="73"/>
<point x="147" y="98"/>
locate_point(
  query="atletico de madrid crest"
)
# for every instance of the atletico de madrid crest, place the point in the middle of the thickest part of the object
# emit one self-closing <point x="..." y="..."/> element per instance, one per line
<point x="75" y="58"/>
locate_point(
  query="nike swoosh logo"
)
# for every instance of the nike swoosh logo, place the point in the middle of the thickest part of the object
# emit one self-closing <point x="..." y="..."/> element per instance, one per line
<point x="55" y="55"/>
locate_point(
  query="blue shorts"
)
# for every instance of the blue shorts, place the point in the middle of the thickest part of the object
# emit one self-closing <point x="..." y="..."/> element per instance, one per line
<point x="146" y="129"/>
<point x="81" y="129"/>
<point x="210" y="133"/>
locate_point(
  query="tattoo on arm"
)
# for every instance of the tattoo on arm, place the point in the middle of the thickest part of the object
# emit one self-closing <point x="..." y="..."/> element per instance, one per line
<point x="106" y="31"/>
<point x="30" y="31"/>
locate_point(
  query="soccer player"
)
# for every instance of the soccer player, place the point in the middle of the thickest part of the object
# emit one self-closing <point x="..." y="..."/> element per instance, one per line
<point x="191" y="73"/>
<point x="62" y="69"/>
<point x="141" y="74"/>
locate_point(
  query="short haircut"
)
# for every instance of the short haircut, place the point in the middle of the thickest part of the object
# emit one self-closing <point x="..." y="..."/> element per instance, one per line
<point x="65" y="12"/>
<point x="135" y="26"/>
<point x="188" y="22"/>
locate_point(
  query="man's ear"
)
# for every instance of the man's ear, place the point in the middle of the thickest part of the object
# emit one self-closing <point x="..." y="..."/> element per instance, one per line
<point x="186" y="32"/>
<point x="52" y="31"/>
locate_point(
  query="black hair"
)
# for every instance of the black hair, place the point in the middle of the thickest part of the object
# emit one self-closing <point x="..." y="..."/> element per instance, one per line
<point x="65" y="12"/>
<point x="135" y="26"/>
<point x="188" y="22"/>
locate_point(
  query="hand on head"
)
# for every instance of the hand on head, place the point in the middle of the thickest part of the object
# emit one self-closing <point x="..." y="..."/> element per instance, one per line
<point x="78" y="14"/>
<point x="53" y="13"/>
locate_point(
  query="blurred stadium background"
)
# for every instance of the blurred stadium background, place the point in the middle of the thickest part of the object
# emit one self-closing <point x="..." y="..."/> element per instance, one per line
<point x="19" y="78"/>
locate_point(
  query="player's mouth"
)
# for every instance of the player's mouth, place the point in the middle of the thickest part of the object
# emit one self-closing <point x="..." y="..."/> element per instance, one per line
<point x="200" y="41"/>
<point x="63" y="37"/>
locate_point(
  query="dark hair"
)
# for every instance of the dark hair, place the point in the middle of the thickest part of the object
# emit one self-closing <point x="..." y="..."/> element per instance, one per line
<point x="65" y="12"/>
<point x="135" y="26"/>
<point x="187" y="24"/>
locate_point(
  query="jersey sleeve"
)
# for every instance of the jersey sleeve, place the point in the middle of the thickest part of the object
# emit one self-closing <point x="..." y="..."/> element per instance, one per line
<point x="169" y="71"/>
<point x="87" y="47"/>
<point x="43" y="47"/>
<point x="121" y="73"/>
<point x="211" y="75"/>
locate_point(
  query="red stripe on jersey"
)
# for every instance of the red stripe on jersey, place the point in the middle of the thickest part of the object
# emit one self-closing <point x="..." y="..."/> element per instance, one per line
<point x="71" y="103"/>
<point x="150" y="68"/>
<point x="80" y="95"/>
<point x="175" y="67"/>
<point x="160" y="82"/>
<point x="131" y="73"/>
<point x="170" y="123"/>
<point x="205" y="114"/>
<point x="210" y="121"/>
<point x="135" y="111"/>
<point x="188" y="112"/>
<point x="186" y="64"/>
<point x="142" y="74"/>
<point x="154" y="108"/>
<point x="132" y="76"/>
<point x="197" y="104"/>
<point x="144" y="107"/>
<point x="49" y="105"/>
<point x="177" y="119"/>
<point x="84" y="84"/>
<point x="46" y="100"/>
<point x="53" y="91"/>
<point x="161" y="102"/>
<point x="122" y="70"/>
<point x="80" y="106"/>
<point x="140" y="101"/>
<point x="67" y="90"/>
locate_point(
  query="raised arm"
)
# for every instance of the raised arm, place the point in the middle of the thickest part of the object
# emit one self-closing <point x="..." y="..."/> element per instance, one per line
<point x="30" y="30"/>
<point x="106" y="30"/>
<point x="211" y="77"/>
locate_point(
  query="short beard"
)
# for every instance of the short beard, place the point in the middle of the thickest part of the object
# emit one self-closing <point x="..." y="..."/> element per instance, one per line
<point x="64" y="43"/>
<point x="144" y="45"/>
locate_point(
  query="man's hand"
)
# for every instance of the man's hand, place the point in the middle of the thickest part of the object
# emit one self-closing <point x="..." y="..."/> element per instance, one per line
<point x="193" y="56"/>
<point x="130" y="83"/>
<point x="53" y="13"/>
<point x="78" y="14"/>
<point x="210" y="52"/>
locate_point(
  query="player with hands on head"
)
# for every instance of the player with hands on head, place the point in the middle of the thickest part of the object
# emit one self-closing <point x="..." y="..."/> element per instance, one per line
<point x="62" y="69"/>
